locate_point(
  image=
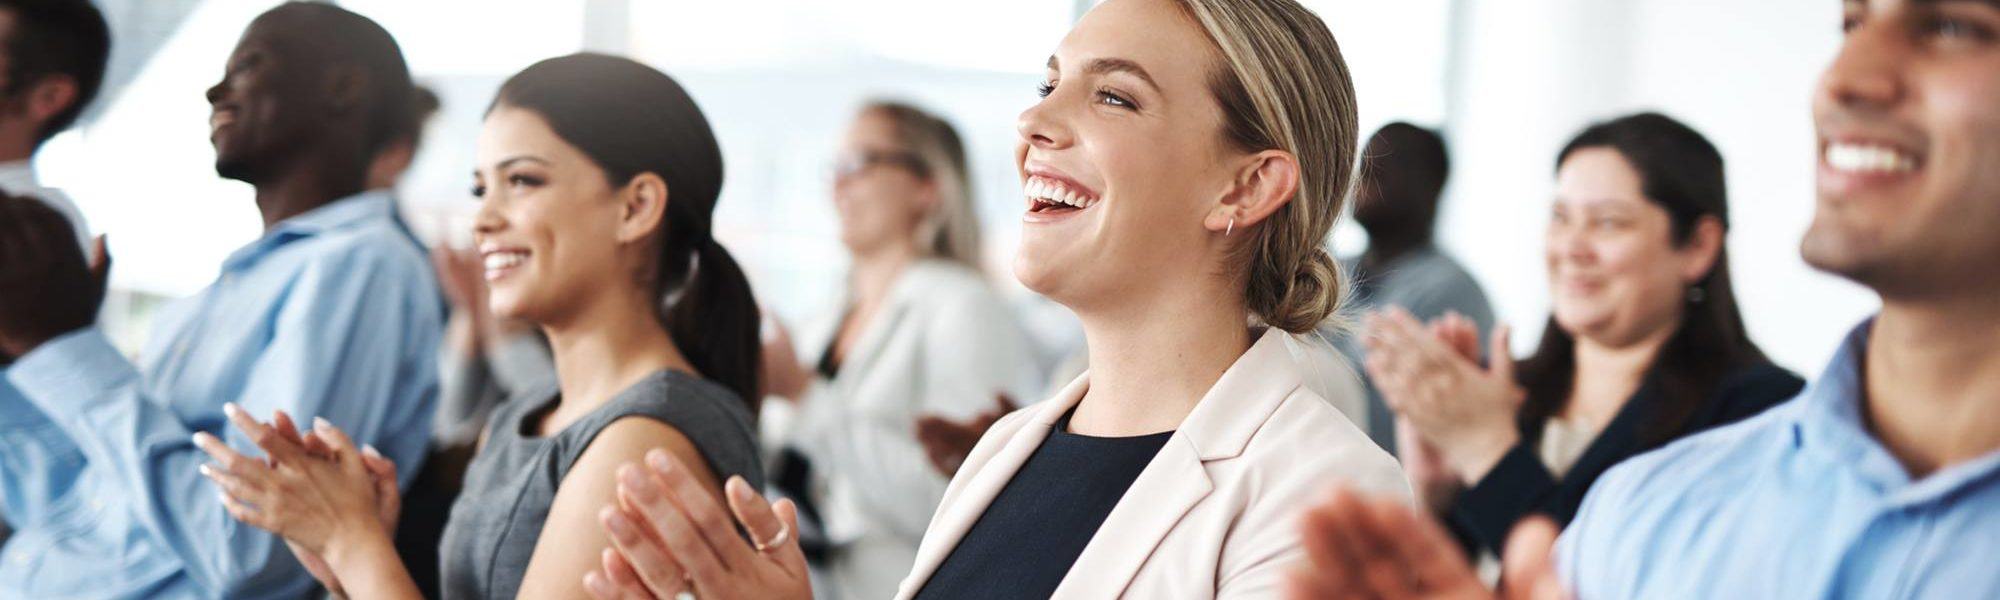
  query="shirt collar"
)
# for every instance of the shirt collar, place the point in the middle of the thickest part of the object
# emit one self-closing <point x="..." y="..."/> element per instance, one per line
<point x="1830" y="423"/>
<point x="346" y="212"/>
<point x="18" y="176"/>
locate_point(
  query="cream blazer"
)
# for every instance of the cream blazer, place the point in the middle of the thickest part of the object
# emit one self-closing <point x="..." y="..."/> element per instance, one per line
<point x="1216" y="513"/>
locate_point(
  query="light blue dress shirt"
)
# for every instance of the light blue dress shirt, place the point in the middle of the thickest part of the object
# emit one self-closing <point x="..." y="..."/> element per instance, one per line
<point x="1800" y="502"/>
<point x="333" y="313"/>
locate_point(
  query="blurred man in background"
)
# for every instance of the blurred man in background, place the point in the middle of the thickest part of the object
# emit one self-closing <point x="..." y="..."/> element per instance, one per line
<point x="1404" y="169"/>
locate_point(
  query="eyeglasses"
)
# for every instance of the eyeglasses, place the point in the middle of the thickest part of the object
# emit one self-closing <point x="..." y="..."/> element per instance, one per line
<point x="856" y="163"/>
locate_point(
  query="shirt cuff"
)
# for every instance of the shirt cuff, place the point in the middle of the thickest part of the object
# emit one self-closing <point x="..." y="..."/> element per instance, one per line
<point x="1515" y="488"/>
<point x="67" y="375"/>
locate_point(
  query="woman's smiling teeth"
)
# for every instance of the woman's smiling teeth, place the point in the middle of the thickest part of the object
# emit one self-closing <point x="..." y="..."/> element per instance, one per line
<point x="499" y="262"/>
<point x="1050" y="194"/>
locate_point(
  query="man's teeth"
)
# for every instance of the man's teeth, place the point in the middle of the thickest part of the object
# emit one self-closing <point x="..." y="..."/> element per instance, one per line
<point x="1868" y="158"/>
<point x="1056" y="193"/>
<point x="503" y="260"/>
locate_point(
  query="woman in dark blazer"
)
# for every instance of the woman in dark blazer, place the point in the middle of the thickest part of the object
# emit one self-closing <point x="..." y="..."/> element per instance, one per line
<point x="1645" y="344"/>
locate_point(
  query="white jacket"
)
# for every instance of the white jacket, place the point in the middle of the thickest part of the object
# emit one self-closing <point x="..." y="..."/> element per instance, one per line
<point x="945" y="343"/>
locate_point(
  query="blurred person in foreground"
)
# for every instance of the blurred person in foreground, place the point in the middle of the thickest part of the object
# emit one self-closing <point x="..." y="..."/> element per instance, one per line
<point x="52" y="60"/>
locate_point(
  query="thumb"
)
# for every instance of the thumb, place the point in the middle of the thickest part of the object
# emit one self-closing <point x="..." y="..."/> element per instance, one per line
<point x="1499" y="358"/>
<point x="380" y="466"/>
<point x="1527" y="569"/>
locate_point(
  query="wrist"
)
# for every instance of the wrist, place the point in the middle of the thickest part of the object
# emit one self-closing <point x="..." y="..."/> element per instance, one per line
<point x="1475" y="454"/>
<point x="355" y="546"/>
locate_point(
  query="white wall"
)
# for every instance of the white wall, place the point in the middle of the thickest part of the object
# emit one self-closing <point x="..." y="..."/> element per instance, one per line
<point x="1530" y="73"/>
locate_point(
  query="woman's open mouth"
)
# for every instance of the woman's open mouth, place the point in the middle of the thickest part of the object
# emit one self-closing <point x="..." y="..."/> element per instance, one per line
<point x="1046" y="195"/>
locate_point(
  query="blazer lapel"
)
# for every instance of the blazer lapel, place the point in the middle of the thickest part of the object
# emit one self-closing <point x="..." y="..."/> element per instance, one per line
<point x="1165" y="491"/>
<point x="962" y="510"/>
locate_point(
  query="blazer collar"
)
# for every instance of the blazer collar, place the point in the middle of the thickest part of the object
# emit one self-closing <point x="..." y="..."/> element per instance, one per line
<point x="1228" y="415"/>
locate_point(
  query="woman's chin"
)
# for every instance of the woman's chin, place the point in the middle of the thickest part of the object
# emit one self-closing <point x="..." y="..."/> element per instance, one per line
<point x="507" y="307"/>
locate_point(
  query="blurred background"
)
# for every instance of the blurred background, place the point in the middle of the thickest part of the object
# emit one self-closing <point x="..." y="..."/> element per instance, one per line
<point x="1507" y="81"/>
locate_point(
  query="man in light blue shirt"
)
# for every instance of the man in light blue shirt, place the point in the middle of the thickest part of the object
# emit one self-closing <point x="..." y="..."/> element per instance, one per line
<point x="1882" y="478"/>
<point x="333" y="313"/>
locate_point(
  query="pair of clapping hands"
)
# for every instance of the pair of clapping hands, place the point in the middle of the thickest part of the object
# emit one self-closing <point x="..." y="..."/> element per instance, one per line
<point x="317" y="490"/>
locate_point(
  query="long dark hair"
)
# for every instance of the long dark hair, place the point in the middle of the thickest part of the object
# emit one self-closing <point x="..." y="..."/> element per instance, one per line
<point x="1680" y="171"/>
<point x="631" y="119"/>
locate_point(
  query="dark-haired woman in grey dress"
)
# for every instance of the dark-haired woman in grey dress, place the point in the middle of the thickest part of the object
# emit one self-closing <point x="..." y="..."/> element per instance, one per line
<point x="598" y="176"/>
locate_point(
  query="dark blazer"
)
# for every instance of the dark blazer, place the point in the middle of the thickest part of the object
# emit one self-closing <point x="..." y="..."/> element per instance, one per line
<point x="1521" y="485"/>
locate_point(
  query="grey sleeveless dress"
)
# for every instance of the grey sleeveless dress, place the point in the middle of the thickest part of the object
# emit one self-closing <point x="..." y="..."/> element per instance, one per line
<point x="512" y="481"/>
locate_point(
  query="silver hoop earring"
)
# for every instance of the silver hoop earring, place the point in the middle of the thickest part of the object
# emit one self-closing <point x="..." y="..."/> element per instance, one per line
<point x="1231" y="229"/>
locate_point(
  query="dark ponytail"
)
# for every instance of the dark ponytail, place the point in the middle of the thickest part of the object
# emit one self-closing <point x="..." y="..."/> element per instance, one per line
<point x="632" y="119"/>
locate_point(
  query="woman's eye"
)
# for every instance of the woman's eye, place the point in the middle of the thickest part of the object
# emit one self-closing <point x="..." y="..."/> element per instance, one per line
<point x="479" y="191"/>
<point x="1957" y="29"/>
<point x="1045" y="88"/>
<point x="1114" y="99"/>
<point x="523" y="181"/>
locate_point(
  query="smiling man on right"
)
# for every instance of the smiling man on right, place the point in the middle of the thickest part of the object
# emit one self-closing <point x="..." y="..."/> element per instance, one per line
<point x="1882" y="479"/>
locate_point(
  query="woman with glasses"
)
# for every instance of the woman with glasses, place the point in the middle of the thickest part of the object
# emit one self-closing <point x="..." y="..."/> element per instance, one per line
<point x="918" y="332"/>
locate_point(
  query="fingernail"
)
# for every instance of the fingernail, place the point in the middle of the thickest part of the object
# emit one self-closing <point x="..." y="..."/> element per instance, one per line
<point x="632" y="480"/>
<point x="204" y="470"/>
<point x="658" y="459"/>
<point x="321" y="424"/>
<point x="370" y="451"/>
<point x="617" y="523"/>
<point x="232" y="409"/>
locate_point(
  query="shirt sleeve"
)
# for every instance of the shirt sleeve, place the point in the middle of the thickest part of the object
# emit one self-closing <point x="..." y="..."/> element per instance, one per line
<point x="340" y="349"/>
<point x="1519" y="485"/>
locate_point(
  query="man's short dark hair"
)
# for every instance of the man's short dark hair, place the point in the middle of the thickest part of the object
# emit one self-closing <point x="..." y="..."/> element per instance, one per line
<point x="51" y="38"/>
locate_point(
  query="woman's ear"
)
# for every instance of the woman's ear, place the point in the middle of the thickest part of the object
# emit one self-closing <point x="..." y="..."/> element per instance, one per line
<point x="643" y="207"/>
<point x="1702" y="250"/>
<point x="1265" y="183"/>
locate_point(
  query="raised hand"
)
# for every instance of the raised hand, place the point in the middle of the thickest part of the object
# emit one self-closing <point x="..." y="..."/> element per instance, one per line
<point x="1465" y="411"/>
<point x="946" y="442"/>
<point x="669" y="538"/>
<point x="47" y="285"/>
<point x="1358" y="547"/>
